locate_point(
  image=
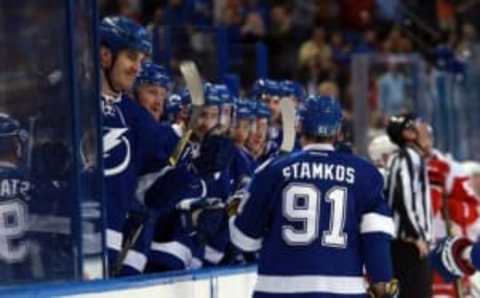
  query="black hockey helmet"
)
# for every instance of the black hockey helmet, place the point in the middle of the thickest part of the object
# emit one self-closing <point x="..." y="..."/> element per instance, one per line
<point x="397" y="124"/>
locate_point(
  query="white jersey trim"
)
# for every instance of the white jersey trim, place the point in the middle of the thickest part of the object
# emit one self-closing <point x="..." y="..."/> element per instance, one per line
<point x="212" y="255"/>
<point x="114" y="240"/>
<point x="241" y="240"/>
<point x="311" y="284"/>
<point x="136" y="260"/>
<point x="377" y="223"/>
<point x="177" y="249"/>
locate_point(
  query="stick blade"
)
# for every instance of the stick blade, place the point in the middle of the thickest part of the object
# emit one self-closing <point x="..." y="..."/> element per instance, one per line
<point x="287" y="108"/>
<point x="194" y="82"/>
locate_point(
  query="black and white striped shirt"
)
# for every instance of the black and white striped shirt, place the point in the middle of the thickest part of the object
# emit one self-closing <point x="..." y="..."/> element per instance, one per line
<point x="408" y="194"/>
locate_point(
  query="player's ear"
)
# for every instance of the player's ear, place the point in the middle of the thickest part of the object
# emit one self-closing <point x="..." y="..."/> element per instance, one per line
<point x="105" y="57"/>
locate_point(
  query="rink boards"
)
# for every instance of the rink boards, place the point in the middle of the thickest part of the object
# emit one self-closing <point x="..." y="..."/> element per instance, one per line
<point x="235" y="282"/>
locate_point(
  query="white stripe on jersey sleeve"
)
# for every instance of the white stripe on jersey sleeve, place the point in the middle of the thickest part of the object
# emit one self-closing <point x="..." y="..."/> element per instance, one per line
<point x="343" y="285"/>
<point x="136" y="260"/>
<point x="242" y="241"/>
<point x="176" y="249"/>
<point x="212" y="255"/>
<point x="377" y="223"/>
<point x="114" y="240"/>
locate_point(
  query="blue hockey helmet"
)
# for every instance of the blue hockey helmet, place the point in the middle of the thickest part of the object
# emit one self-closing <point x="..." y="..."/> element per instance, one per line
<point x="292" y="88"/>
<point x="185" y="97"/>
<point x="262" y="110"/>
<point x="153" y="74"/>
<point x="265" y="87"/>
<point x="322" y="116"/>
<point x="225" y="94"/>
<point x="243" y="110"/>
<point x="119" y="33"/>
<point x="212" y="95"/>
<point x="174" y="104"/>
<point x="10" y="130"/>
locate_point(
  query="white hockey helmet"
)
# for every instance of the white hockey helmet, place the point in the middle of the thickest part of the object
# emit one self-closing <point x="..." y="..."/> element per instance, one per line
<point x="379" y="147"/>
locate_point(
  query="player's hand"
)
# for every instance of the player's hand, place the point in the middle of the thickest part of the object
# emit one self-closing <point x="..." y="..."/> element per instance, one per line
<point x="216" y="154"/>
<point x="384" y="289"/>
<point x="422" y="247"/>
<point x="447" y="258"/>
<point x="234" y="202"/>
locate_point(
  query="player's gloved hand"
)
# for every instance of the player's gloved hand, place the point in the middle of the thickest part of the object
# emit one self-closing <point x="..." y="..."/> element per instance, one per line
<point x="447" y="258"/>
<point x="384" y="289"/>
<point x="216" y="154"/>
<point x="235" y="201"/>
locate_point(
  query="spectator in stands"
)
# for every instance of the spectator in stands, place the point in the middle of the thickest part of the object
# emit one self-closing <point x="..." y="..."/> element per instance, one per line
<point x="282" y="41"/>
<point x="315" y="48"/>
<point x="368" y="43"/>
<point x="446" y="15"/>
<point x="397" y="42"/>
<point x="341" y="50"/>
<point x="357" y="14"/>
<point x="392" y="88"/>
<point x="388" y="11"/>
<point x="328" y="88"/>
<point x="467" y="41"/>
<point x="253" y="28"/>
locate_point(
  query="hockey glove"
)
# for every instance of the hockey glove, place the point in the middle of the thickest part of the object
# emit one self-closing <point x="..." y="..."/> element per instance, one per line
<point x="447" y="258"/>
<point x="384" y="289"/>
<point x="216" y="154"/>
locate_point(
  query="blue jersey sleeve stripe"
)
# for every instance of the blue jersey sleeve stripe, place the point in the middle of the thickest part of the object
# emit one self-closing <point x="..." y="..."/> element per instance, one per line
<point x="136" y="260"/>
<point x="377" y="223"/>
<point x="342" y="285"/>
<point x="241" y="240"/>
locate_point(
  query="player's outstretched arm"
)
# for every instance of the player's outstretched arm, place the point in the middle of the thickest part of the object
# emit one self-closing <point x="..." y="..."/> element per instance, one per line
<point x="455" y="257"/>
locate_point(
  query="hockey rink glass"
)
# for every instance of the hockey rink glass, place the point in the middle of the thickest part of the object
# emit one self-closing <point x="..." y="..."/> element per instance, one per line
<point x="49" y="83"/>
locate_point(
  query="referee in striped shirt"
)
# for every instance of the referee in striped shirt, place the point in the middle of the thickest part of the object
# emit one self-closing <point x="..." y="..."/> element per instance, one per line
<point x="408" y="193"/>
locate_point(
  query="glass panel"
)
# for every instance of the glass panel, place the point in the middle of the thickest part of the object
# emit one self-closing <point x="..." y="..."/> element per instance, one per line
<point x="34" y="89"/>
<point x="91" y="178"/>
<point x="200" y="44"/>
<point x="39" y="171"/>
<point x="390" y="84"/>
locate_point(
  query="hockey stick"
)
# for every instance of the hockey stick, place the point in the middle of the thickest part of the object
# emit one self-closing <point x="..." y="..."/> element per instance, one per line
<point x="129" y="242"/>
<point x="195" y="87"/>
<point x="287" y="108"/>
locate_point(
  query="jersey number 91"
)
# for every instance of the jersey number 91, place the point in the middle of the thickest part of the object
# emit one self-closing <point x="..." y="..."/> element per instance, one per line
<point x="301" y="202"/>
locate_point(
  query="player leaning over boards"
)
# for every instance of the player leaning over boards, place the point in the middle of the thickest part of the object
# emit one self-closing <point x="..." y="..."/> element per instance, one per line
<point x="318" y="217"/>
<point x="132" y="139"/>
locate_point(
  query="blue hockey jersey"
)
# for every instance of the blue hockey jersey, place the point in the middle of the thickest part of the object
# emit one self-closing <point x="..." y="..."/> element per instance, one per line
<point x="15" y="196"/>
<point x="317" y="216"/>
<point x="133" y="143"/>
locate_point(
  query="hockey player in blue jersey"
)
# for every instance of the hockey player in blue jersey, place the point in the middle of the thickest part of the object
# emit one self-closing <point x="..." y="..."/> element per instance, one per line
<point x="317" y="217"/>
<point x="243" y="164"/>
<point x="270" y="92"/>
<point x="258" y="139"/>
<point x="133" y="142"/>
<point x="151" y="89"/>
<point x="228" y="103"/>
<point x="15" y="200"/>
<point x="200" y="175"/>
